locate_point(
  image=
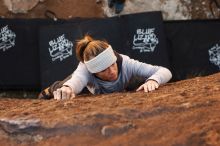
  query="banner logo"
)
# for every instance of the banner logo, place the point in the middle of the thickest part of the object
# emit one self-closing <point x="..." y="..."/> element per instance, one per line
<point x="60" y="48"/>
<point x="214" y="55"/>
<point x="7" y="38"/>
<point x="145" y="40"/>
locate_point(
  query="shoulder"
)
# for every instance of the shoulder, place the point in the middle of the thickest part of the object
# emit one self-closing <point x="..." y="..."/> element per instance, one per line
<point x="126" y="61"/>
<point x="81" y="68"/>
<point x="82" y="65"/>
<point x="125" y="57"/>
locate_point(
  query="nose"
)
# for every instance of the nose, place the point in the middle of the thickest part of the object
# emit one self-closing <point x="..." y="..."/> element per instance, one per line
<point x="111" y="70"/>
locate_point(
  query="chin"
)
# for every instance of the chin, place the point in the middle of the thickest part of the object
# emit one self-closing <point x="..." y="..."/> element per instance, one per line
<point x="113" y="78"/>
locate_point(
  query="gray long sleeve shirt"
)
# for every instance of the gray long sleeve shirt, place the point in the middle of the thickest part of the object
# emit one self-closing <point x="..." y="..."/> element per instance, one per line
<point x="81" y="77"/>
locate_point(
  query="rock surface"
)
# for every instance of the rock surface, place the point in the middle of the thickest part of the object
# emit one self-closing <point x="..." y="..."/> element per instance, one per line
<point x="20" y="6"/>
<point x="171" y="9"/>
<point x="177" y="114"/>
<point x="66" y="9"/>
<point x="63" y="9"/>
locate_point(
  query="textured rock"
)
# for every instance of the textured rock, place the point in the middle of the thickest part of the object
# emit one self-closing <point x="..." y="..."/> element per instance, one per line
<point x="64" y="9"/>
<point x="177" y="114"/>
<point x="116" y="129"/>
<point x="21" y="6"/>
<point x="171" y="9"/>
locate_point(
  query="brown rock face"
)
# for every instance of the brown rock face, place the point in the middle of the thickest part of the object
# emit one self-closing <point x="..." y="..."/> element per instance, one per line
<point x="20" y="6"/>
<point x="184" y="113"/>
<point x="63" y="9"/>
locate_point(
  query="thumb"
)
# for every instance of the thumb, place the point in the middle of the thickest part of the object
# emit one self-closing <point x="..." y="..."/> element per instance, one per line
<point x="140" y="88"/>
<point x="73" y="96"/>
<point x="157" y="86"/>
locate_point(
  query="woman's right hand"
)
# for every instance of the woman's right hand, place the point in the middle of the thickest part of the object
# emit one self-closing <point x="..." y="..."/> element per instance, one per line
<point x="65" y="92"/>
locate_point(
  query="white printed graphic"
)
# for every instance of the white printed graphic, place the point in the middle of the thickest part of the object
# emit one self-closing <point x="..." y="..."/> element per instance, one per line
<point x="145" y="40"/>
<point x="60" y="48"/>
<point x="214" y="55"/>
<point x="7" y="38"/>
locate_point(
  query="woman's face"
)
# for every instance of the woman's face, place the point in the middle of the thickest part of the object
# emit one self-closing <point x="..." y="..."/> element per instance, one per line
<point x="109" y="74"/>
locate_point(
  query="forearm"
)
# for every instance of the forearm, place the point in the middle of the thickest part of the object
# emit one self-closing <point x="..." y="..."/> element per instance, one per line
<point x="75" y="84"/>
<point x="162" y="75"/>
<point x="79" y="79"/>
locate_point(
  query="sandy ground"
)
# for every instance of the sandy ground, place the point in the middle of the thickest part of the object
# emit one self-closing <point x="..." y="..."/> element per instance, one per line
<point x="177" y="114"/>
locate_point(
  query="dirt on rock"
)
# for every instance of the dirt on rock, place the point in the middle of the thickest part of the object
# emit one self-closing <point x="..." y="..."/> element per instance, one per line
<point x="180" y="113"/>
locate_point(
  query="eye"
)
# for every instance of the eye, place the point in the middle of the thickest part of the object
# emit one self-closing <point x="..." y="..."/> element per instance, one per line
<point x="113" y="64"/>
<point x="103" y="70"/>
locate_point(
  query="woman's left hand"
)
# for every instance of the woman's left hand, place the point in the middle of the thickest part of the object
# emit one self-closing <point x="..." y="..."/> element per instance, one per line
<point x="150" y="85"/>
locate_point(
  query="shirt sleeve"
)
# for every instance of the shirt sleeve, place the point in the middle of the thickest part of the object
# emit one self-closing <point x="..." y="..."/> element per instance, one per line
<point x="79" y="79"/>
<point x="157" y="73"/>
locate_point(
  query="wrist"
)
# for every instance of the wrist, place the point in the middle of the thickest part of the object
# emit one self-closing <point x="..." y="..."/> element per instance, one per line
<point x="151" y="80"/>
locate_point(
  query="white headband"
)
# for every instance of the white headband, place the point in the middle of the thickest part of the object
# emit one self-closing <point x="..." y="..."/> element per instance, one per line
<point x="101" y="61"/>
